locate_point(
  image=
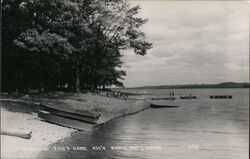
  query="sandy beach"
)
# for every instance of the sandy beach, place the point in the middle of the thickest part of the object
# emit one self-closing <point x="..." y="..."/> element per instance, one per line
<point x="22" y="117"/>
<point x="18" y="120"/>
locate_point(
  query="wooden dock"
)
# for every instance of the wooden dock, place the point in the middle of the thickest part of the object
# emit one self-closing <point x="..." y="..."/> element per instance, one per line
<point x="167" y="98"/>
<point x="221" y="96"/>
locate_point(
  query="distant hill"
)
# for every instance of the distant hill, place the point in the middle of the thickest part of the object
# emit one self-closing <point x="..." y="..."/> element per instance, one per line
<point x="220" y="85"/>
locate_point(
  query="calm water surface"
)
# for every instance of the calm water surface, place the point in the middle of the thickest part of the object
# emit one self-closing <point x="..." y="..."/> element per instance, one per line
<point x="200" y="129"/>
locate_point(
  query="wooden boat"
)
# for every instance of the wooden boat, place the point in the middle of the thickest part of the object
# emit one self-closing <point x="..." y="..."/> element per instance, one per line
<point x="62" y="114"/>
<point x="64" y="121"/>
<point x="188" y="97"/>
<point x="60" y="106"/>
<point x="163" y="106"/>
<point x="70" y="115"/>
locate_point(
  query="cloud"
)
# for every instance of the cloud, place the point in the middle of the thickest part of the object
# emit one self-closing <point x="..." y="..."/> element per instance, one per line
<point x="194" y="42"/>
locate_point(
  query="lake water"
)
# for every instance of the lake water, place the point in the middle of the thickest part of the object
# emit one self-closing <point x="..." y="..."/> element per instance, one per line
<point x="201" y="128"/>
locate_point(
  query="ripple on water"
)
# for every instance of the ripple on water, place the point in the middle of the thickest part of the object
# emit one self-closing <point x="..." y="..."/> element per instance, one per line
<point x="199" y="128"/>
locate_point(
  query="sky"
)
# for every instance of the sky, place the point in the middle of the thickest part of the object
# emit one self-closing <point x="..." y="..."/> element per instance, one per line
<point x="194" y="42"/>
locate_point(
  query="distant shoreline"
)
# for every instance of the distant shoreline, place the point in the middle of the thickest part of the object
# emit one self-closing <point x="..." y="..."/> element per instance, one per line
<point x="196" y="86"/>
<point x="187" y="88"/>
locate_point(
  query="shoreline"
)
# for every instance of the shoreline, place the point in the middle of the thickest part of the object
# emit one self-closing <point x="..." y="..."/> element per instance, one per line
<point x="20" y="115"/>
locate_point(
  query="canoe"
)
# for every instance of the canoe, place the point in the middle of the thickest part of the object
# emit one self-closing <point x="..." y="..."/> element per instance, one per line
<point x="64" y="121"/>
<point x="163" y="106"/>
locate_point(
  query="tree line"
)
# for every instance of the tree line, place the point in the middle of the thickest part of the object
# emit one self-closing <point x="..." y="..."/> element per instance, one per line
<point x="67" y="44"/>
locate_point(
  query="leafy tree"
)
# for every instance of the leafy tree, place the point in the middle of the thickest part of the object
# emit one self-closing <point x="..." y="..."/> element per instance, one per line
<point x="49" y="44"/>
<point x="115" y="27"/>
<point x="33" y="42"/>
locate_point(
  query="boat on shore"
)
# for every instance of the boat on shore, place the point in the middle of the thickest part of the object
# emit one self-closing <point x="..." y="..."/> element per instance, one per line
<point x="80" y="120"/>
<point x="65" y="121"/>
<point x="85" y="117"/>
<point x="60" y="106"/>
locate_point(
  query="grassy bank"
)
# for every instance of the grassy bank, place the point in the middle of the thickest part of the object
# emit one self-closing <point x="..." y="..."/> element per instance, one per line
<point x="19" y="114"/>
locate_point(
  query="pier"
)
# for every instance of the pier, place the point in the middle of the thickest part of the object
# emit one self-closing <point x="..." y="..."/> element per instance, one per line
<point x="221" y="96"/>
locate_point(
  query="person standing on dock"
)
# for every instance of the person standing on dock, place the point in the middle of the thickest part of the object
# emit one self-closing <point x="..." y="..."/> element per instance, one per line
<point x="171" y="95"/>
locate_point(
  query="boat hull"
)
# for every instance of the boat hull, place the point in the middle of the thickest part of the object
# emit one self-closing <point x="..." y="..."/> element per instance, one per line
<point x="64" y="121"/>
<point x="163" y="106"/>
<point x="71" y="115"/>
<point x="60" y="106"/>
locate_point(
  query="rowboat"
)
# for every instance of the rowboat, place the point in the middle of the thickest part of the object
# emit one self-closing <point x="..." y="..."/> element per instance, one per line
<point x="62" y="114"/>
<point x="85" y="116"/>
<point x="163" y="106"/>
<point x="60" y="106"/>
<point x="65" y="121"/>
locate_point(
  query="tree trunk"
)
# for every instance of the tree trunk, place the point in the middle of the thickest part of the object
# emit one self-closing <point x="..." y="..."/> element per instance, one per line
<point x="41" y="86"/>
<point x="92" y="82"/>
<point x="77" y="75"/>
<point x="40" y="76"/>
<point x="92" y="78"/>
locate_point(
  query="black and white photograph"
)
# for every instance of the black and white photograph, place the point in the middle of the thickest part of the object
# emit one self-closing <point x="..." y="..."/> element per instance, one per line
<point x="124" y="79"/>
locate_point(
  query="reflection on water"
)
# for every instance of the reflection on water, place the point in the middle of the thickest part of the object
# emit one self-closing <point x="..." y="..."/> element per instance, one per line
<point x="201" y="128"/>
